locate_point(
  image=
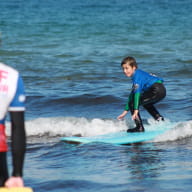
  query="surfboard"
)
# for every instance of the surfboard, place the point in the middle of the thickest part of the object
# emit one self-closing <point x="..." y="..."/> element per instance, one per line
<point x="16" y="189"/>
<point x="120" y="138"/>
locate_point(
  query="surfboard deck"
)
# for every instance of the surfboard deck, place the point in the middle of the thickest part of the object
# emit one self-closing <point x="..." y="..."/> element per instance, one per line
<point x="117" y="138"/>
<point x="16" y="189"/>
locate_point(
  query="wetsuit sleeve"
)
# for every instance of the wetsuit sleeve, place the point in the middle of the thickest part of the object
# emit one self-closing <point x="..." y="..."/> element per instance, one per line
<point x="138" y="85"/>
<point x="136" y="97"/>
<point x="128" y="101"/>
<point x="136" y="100"/>
<point x="18" y="144"/>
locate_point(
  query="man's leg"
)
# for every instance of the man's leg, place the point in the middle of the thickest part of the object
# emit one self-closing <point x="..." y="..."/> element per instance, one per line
<point x="3" y="168"/>
<point x="153" y="112"/>
<point x="138" y="122"/>
<point x="156" y="93"/>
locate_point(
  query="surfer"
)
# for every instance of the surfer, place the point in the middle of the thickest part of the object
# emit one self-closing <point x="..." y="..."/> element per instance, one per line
<point x="147" y="90"/>
<point x="12" y="99"/>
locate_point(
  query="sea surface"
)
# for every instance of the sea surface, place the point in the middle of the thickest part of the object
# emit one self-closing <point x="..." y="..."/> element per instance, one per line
<point x="69" y="53"/>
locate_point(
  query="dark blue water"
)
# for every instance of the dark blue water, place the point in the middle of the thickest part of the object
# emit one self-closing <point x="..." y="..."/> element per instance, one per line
<point x="69" y="55"/>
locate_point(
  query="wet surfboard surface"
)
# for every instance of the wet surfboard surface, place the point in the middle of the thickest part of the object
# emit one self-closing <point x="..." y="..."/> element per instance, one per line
<point x="118" y="137"/>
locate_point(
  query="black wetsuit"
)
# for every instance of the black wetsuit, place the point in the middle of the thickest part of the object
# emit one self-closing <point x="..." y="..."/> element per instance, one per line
<point x="147" y="90"/>
<point x="156" y="93"/>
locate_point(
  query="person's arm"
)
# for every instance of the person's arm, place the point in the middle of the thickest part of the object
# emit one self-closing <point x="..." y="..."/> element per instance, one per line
<point x="18" y="146"/>
<point x="136" y="105"/>
<point x="122" y="115"/>
<point x="126" y="109"/>
<point x="128" y="101"/>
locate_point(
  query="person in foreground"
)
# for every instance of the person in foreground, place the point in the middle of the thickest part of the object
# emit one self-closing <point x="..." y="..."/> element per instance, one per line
<point x="147" y="90"/>
<point x="12" y="99"/>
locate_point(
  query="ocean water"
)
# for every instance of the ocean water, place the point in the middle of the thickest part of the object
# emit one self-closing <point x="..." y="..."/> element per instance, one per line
<point x="68" y="53"/>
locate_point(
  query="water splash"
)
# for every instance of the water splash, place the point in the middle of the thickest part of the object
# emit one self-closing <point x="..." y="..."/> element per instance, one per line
<point x="178" y="131"/>
<point x="72" y="126"/>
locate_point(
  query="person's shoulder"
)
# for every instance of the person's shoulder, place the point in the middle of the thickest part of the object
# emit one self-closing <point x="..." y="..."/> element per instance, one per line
<point x="7" y="68"/>
<point x="137" y="75"/>
<point x="139" y="71"/>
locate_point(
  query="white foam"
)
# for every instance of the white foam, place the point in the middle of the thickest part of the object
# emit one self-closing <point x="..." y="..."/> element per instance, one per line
<point x="70" y="126"/>
<point x="178" y="131"/>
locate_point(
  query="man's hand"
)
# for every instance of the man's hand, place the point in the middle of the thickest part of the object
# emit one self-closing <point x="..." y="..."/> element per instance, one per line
<point x="135" y="115"/>
<point x="120" y="117"/>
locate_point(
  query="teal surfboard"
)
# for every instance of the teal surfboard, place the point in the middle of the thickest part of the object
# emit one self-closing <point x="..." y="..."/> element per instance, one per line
<point x="118" y="137"/>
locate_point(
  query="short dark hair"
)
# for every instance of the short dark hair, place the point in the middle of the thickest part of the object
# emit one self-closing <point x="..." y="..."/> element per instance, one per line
<point x="130" y="61"/>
